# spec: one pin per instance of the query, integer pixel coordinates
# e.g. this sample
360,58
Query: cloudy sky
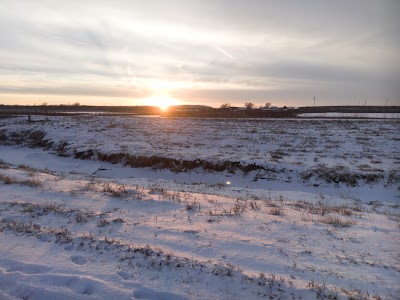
200,52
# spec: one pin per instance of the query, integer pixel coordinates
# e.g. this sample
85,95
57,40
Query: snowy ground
83,229
351,115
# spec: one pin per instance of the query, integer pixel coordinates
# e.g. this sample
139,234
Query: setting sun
162,101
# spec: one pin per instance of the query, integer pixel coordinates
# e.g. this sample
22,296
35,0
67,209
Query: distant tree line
247,105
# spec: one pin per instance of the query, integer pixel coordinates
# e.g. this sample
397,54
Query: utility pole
365,102
314,100
387,100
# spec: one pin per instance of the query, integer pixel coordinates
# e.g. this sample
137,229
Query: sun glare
163,102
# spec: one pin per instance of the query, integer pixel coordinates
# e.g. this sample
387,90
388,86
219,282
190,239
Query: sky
208,52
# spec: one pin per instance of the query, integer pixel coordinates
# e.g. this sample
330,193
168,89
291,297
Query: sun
162,101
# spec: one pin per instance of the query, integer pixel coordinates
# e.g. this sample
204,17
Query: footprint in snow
146,293
78,259
68,248
124,275
27,268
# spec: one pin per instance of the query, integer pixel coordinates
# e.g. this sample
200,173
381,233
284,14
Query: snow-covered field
219,209
351,115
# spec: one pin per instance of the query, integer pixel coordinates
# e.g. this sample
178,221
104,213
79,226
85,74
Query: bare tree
267,105
225,105
249,105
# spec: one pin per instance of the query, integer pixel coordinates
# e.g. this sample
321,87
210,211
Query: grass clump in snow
337,221
193,206
115,190
31,182
103,223
276,211
8,179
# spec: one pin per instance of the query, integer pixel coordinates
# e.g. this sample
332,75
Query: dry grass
239,208
115,190
276,211
31,182
103,223
337,221
8,180
193,206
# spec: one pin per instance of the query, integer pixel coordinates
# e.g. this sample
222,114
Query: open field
345,153
165,208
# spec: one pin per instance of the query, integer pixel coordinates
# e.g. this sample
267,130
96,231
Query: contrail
224,52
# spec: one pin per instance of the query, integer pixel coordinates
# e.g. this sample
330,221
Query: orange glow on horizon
162,101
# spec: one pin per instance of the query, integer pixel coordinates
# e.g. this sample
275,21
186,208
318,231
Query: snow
351,115
89,229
